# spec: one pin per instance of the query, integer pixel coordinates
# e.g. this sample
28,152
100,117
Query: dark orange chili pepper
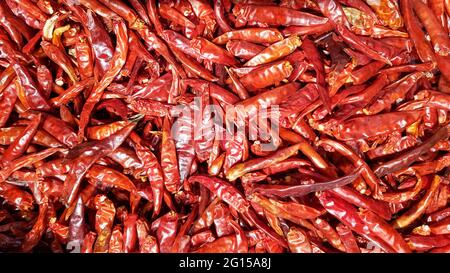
351,96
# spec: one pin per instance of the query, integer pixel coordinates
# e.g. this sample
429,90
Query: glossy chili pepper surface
240,126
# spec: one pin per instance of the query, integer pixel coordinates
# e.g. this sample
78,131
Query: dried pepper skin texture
238,126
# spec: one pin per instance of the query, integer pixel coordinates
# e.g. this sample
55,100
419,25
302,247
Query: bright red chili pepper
164,96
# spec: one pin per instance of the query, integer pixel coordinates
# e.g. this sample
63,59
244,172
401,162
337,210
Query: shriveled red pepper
117,61
131,126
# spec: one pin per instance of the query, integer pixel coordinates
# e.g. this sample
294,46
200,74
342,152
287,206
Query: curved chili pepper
411,156
128,160
26,161
224,190
209,51
267,75
178,18
300,190
84,58
20,144
59,130
7,101
103,131
385,231
154,175
34,235
334,12
55,54
275,51
72,92
104,218
117,61
287,210
110,177
424,243
349,216
394,92
84,156
129,233
77,224
418,208
352,128
254,35
274,16
441,42
124,12
412,24
193,66
219,14
238,86
366,172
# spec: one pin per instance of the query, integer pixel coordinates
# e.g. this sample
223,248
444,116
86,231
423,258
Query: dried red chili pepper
117,61
355,86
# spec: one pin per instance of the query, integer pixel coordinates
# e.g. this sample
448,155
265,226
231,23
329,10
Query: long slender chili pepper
239,126
117,61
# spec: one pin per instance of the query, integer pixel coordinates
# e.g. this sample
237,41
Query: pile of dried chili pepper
108,142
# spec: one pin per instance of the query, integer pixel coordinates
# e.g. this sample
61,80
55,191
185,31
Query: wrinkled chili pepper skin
274,16
255,35
128,126
207,50
275,51
86,155
55,54
117,61
20,144
103,223
418,209
168,160
267,75
34,96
